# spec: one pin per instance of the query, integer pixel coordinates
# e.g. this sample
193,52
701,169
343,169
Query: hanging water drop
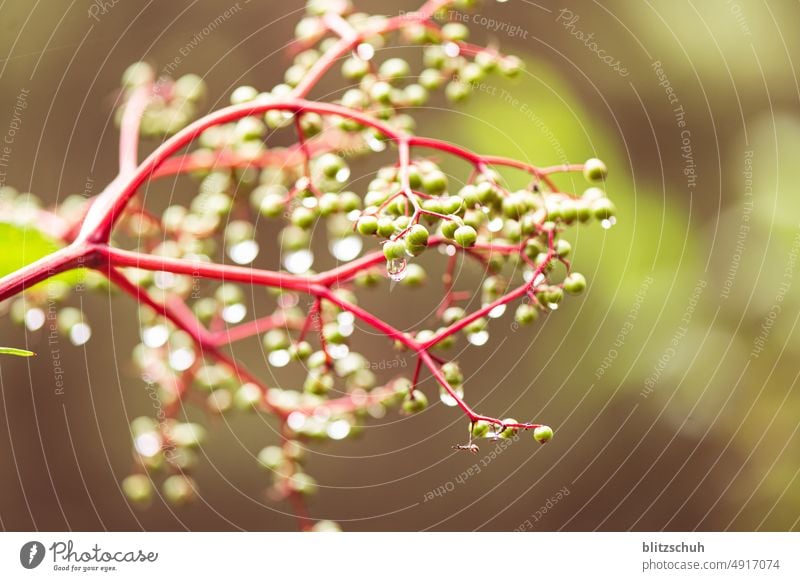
449,400
396,269
299,261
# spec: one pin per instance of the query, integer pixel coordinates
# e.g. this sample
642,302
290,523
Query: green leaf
17,352
23,244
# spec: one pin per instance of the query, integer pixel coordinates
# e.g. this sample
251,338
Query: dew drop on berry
155,336
608,222
396,269
479,338
449,400
497,312
299,261
495,225
234,313
279,358
296,420
376,144
365,51
338,351
451,49
243,252
181,359
552,306
338,430
343,175
347,248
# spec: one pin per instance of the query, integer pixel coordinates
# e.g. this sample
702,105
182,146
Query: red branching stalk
91,246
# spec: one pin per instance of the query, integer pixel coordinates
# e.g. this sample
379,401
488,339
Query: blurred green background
672,384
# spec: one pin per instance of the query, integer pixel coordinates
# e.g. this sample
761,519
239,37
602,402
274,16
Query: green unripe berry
275,339
328,204
138,488
394,249
465,236
272,205
138,74
603,209
330,164
481,429
355,68
247,396
574,283
190,87
394,68
349,201
415,95
435,182
455,31
415,403
472,73
381,92
178,489
452,373
563,248
417,235
386,227
431,79
243,94
301,350
509,432
594,170
303,217
318,383
543,434
510,66
367,225
526,314
271,457
554,295
452,314
457,91
449,227
302,483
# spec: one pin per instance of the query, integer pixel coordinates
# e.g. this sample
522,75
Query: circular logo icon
31,554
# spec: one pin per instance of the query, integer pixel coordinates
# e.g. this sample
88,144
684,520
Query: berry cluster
192,266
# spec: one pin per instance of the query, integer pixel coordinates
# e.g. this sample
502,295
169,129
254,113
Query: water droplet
164,280
396,269
552,306
279,358
497,312
346,318
495,225
155,336
234,313
451,49
365,51
80,333
299,261
243,252
375,144
347,248
310,202
449,400
181,359
296,420
343,175
147,444
338,351
338,430
34,319
608,222
479,338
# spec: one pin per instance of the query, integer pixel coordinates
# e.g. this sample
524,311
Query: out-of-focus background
672,384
